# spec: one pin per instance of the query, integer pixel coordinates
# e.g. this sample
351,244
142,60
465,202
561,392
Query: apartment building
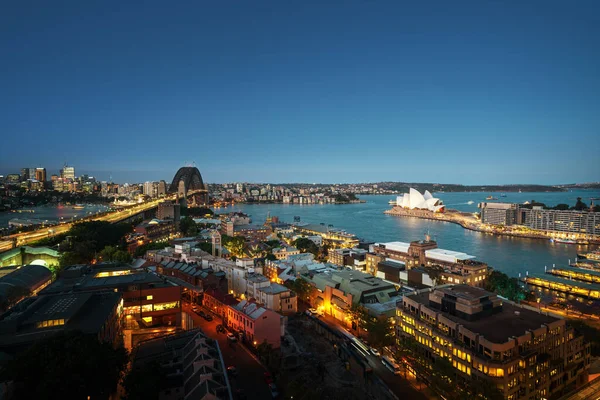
524,353
458,267
256,324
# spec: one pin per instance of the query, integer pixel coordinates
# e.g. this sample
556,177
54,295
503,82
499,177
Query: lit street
396,383
250,377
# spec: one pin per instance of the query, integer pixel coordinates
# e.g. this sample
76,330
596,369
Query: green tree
590,334
561,207
505,286
434,272
113,254
306,246
580,205
236,245
141,250
188,227
205,246
74,365
380,332
359,316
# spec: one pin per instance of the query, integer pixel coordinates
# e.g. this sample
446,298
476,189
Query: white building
415,200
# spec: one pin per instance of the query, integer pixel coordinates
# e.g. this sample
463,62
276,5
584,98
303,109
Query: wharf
468,221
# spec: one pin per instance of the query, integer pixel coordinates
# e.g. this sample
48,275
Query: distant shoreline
467,221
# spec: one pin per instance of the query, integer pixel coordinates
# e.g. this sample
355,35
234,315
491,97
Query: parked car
274,391
375,352
231,370
194,308
220,328
268,377
231,337
200,313
207,317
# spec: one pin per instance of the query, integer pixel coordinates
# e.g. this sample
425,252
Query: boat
592,255
392,202
470,202
78,207
502,195
491,198
565,241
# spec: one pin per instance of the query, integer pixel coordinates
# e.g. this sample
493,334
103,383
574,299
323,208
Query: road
400,386
250,376
25,238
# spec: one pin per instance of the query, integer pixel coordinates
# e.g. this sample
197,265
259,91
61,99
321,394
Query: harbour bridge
188,183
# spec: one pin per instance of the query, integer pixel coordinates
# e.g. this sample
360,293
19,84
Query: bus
390,364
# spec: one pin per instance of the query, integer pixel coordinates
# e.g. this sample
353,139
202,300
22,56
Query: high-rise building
150,189
525,354
40,174
24,174
168,210
162,188
67,172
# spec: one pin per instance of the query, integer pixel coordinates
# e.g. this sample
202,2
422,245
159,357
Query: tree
140,251
501,284
434,272
235,245
380,332
144,383
306,246
188,227
113,254
74,365
300,286
358,316
205,246
561,207
580,205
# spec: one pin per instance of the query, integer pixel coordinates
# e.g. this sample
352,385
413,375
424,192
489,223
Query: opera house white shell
415,200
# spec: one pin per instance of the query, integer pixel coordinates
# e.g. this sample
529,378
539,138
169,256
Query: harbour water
51,213
367,221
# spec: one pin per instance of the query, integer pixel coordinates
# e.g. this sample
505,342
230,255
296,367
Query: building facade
256,324
523,353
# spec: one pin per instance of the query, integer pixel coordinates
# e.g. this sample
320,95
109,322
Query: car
194,308
274,391
200,313
268,377
375,352
231,337
220,328
207,317
308,312
231,370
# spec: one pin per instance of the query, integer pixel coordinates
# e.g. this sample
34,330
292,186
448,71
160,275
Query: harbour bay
367,220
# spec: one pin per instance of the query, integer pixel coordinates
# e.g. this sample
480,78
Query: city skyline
472,93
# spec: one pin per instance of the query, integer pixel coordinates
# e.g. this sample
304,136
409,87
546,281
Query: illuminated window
149,297
166,306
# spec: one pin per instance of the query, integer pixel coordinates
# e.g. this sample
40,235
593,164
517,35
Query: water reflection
508,254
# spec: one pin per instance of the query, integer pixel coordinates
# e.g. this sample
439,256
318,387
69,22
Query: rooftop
497,328
274,288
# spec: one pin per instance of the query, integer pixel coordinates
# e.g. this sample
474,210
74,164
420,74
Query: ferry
392,202
566,241
78,207
502,195
592,255
491,198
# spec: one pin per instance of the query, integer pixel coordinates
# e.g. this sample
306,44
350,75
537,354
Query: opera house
415,200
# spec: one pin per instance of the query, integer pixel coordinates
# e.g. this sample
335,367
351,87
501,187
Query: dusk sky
468,92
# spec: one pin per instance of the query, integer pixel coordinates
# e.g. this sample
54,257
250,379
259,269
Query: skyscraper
67,172
40,174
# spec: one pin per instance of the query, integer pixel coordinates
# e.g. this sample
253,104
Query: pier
469,221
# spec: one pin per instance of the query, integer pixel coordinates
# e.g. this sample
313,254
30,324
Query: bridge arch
191,178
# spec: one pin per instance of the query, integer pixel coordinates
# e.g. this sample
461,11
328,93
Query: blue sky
314,91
